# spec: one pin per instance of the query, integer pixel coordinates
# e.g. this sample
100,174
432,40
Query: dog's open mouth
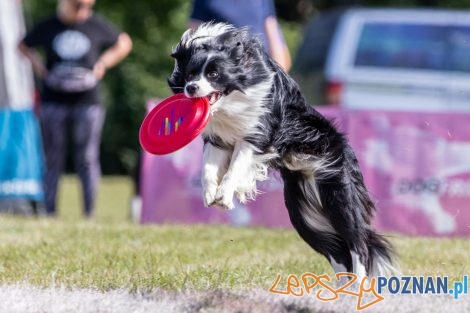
213,97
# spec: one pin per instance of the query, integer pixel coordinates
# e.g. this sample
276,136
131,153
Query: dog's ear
176,80
178,51
176,84
234,43
237,51
175,54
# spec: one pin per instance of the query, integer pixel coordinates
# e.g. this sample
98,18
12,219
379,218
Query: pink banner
416,166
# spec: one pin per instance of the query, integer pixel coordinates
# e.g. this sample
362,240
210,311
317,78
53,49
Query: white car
395,59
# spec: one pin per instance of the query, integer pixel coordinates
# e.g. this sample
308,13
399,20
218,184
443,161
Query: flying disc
174,123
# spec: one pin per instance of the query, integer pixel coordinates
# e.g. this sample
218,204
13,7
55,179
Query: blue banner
21,165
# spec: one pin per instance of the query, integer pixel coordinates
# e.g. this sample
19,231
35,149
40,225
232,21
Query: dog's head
215,60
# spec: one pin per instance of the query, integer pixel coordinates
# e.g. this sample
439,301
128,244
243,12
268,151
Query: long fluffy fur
261,120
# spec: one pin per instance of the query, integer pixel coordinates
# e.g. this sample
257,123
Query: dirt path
27,299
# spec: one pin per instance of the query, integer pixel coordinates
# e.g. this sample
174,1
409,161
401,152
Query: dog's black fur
325,195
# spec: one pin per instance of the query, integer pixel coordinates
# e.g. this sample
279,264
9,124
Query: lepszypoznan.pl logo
376,286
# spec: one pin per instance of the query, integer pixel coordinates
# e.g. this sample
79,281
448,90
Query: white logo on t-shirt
71,45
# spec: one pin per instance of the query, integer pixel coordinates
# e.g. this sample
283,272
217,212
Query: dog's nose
191,89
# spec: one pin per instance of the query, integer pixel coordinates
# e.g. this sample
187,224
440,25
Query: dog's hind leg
350,209
348,219
306,215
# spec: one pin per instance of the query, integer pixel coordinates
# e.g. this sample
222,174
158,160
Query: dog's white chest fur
238,115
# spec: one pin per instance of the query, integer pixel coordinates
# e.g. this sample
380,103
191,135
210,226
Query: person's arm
38,66
113,55
277,47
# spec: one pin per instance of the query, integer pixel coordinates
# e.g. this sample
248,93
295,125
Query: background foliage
155,26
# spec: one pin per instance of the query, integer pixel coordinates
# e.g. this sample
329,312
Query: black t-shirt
71,52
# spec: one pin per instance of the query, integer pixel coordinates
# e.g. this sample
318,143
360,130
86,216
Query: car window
416,46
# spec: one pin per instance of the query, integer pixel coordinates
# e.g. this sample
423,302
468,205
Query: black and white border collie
260,120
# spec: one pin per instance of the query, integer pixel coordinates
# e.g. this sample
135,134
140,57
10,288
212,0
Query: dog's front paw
224,198
209,195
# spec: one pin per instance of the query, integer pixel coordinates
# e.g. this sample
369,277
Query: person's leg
53,126
86,132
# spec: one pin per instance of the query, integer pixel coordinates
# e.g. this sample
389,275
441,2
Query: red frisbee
174,123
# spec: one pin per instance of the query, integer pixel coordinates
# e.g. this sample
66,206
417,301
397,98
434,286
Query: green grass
112,205
110,252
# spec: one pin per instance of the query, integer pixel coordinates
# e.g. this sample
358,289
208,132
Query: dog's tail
382,257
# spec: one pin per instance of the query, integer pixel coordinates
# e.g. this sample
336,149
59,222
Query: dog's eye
212,74
189,76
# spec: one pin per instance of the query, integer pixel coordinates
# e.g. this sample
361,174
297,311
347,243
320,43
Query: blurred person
260,18
79,48
258,15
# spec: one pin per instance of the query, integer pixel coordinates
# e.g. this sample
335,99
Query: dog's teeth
213,97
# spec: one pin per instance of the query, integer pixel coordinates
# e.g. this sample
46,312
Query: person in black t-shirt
79,47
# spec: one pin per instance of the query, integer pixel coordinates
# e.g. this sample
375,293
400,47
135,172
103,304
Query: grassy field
110,252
